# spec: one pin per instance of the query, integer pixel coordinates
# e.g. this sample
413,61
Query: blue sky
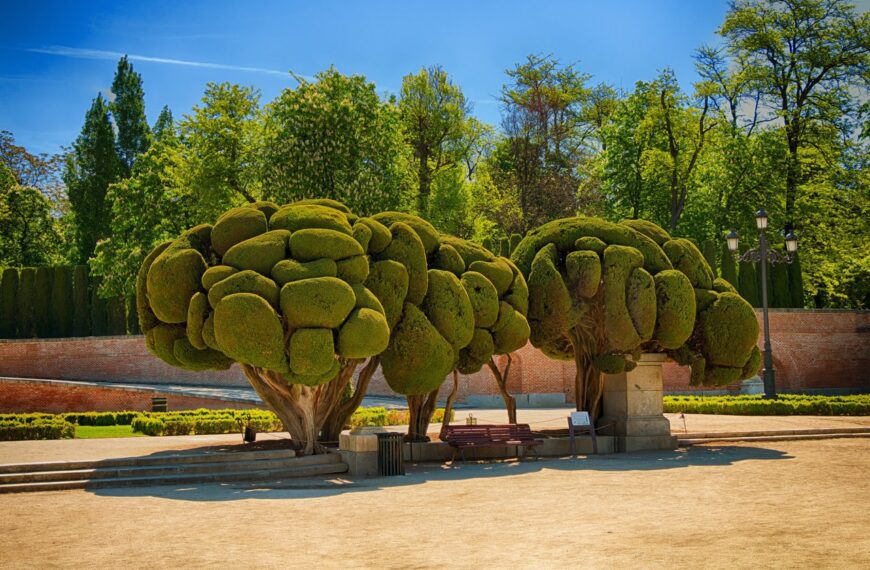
56,56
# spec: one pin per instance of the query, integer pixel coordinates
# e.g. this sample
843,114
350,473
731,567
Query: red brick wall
812,350
113,358
58,397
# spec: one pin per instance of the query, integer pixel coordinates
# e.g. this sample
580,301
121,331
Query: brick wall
812,350
17,396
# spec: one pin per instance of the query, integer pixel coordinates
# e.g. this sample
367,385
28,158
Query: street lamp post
763,256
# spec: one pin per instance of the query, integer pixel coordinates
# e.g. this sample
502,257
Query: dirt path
785,504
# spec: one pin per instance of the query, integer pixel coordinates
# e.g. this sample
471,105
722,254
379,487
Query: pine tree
728,269
90,168
796,283
128,112
164,125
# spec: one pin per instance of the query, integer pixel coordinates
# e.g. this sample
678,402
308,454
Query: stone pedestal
632,411
359,449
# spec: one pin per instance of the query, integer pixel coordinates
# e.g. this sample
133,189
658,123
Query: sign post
580,422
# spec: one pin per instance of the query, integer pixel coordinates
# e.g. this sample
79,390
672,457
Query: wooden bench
462,437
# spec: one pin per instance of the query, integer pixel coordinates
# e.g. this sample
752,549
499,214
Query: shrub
42,286
8,298
24,317
53,428
81,325
784,405
62,302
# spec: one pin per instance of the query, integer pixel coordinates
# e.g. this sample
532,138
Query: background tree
805,55
90,168
222,141
335,138
28,231
128,113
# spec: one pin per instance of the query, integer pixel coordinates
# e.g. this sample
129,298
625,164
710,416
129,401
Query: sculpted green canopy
601,293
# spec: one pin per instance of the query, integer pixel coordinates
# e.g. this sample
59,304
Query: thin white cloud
84,53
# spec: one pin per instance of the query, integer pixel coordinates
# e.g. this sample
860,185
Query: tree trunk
302,409
420,408
510,402
341,413
448,408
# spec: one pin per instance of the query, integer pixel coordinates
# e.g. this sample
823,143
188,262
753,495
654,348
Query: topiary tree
450,317
708,250
280,290
601,293
8,303
514,242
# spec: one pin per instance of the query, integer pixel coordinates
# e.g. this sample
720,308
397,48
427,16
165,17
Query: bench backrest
488,432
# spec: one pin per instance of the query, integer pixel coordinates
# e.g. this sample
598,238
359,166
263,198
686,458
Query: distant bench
462,437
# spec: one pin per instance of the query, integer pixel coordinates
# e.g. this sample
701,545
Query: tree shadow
418,473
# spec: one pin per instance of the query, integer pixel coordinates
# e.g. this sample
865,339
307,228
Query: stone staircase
176,469
773,435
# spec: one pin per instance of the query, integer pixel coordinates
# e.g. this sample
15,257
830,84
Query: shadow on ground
418,473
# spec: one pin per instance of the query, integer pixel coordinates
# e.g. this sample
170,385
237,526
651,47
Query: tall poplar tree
90,168
128,112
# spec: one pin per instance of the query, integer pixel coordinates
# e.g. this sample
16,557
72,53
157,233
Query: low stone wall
814,350
23,395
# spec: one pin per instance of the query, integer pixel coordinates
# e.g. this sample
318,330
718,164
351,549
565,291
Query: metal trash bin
158,405
391,454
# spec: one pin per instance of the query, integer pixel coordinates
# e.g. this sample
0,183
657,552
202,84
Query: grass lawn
93,432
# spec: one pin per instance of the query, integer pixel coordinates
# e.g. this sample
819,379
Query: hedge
54,428
784,405
186,422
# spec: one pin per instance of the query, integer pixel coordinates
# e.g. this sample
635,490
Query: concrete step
166,469
796,437
310,470
163,459
812,431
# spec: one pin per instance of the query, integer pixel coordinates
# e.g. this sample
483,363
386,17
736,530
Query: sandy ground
781,505
538,418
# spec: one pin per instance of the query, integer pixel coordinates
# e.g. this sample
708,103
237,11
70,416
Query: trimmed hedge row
784,405
54,428
201,421
58,302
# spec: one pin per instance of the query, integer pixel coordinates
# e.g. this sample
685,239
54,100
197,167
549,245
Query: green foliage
795,283
29,234
62,302
747,285
42,285
728,268
8,303
335,138
26,294
783,405
90,168
36,429
128,114
81,325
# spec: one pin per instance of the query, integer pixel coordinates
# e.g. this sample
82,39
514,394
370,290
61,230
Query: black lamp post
763,256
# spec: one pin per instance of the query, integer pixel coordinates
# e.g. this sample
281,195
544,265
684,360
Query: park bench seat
462,437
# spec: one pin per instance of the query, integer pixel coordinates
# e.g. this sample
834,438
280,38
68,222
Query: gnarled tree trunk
420,407
510,402
448,407
344,410
302,409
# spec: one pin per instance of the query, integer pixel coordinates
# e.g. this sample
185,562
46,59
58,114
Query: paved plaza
780,505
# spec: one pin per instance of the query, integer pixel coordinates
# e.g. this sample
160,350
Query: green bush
54,428
42,286
24,317
62,302
784,405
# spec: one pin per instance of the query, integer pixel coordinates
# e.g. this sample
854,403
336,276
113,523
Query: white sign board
580,418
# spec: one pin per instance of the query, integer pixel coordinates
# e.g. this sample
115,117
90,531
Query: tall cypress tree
708,250
8,303
128,112
778,295
748,283
91,166
728,269
164,125
796,283
81,302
